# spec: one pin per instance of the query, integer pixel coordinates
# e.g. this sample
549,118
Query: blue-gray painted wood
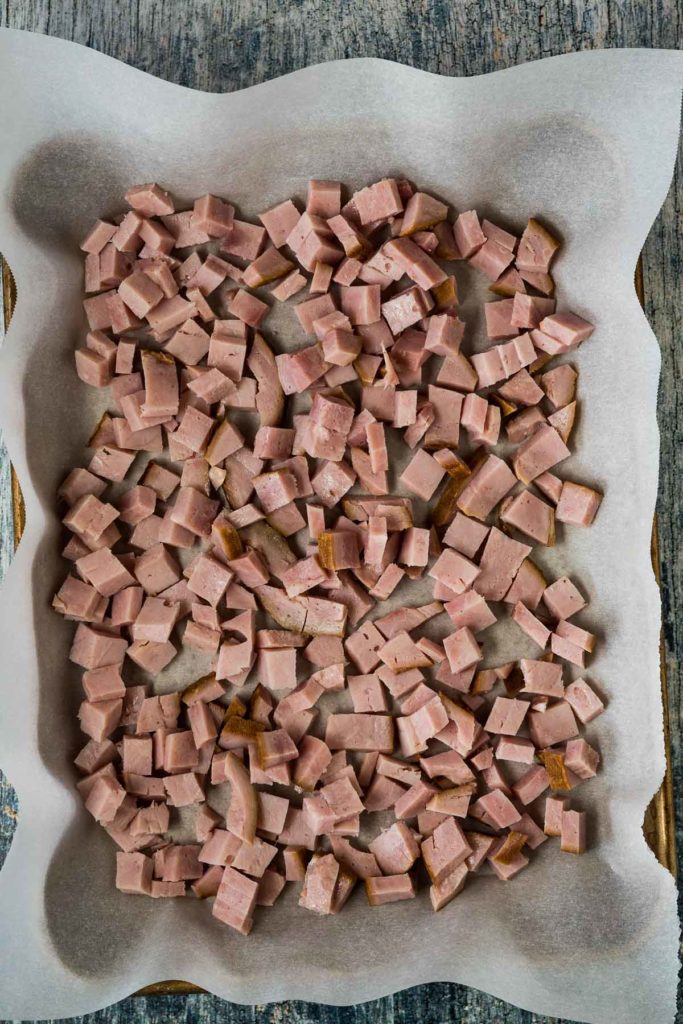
220,46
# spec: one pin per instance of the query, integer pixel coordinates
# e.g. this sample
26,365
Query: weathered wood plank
220,46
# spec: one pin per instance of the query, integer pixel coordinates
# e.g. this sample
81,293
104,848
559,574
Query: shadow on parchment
64,186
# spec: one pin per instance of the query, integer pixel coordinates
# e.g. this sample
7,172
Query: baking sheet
586,140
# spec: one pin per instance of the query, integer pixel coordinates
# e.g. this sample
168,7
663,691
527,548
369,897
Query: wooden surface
220,46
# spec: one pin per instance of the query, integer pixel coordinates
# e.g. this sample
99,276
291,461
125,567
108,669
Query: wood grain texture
221,46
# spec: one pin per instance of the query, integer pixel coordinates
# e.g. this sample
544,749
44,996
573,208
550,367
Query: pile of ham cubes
270,549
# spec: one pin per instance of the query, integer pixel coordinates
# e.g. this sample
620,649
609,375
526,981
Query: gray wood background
219,45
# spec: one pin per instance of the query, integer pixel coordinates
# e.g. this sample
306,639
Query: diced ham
236,900
389,889
423,475
486,487
360,732
583,701
445,850
563,599
506,716
531,516
536,249
573,831
577,504
499,563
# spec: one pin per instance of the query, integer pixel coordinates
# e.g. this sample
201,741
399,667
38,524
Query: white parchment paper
586,141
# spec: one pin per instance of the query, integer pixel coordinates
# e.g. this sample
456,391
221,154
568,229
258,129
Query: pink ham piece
536,249
447,889
498,317
581,759
539,453
454,571
405,309
213,216
573,831
422,211
542,677
532,626
320,883
531,516
279,221
486,487
236,900
361,303
468,234
414,262
527,587
77,600
445,850
492,259
298,370
362,732
134,873
395,849
555,725
401,654
242,817
566,328
462,650
104,799
577,504
506,716
389,889
471,610
465,535
563,599
423,475
583,701
498,808
375,202
499,563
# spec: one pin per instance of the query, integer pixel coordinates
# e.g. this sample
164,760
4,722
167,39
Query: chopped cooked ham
385,353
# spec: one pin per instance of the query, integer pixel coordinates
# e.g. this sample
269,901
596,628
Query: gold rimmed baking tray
658,824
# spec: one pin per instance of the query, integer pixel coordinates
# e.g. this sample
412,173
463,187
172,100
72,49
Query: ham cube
577,505
364,732
445,850
530,516
395,849
375,202
532,626
471,610
454,571
462,650
236,900
573,831
279,221
506,716
389,889
539,453
563,599
405,309
134,873
468,234
498,808
555,725
536,249
583,701
486,487
422,475
542,677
